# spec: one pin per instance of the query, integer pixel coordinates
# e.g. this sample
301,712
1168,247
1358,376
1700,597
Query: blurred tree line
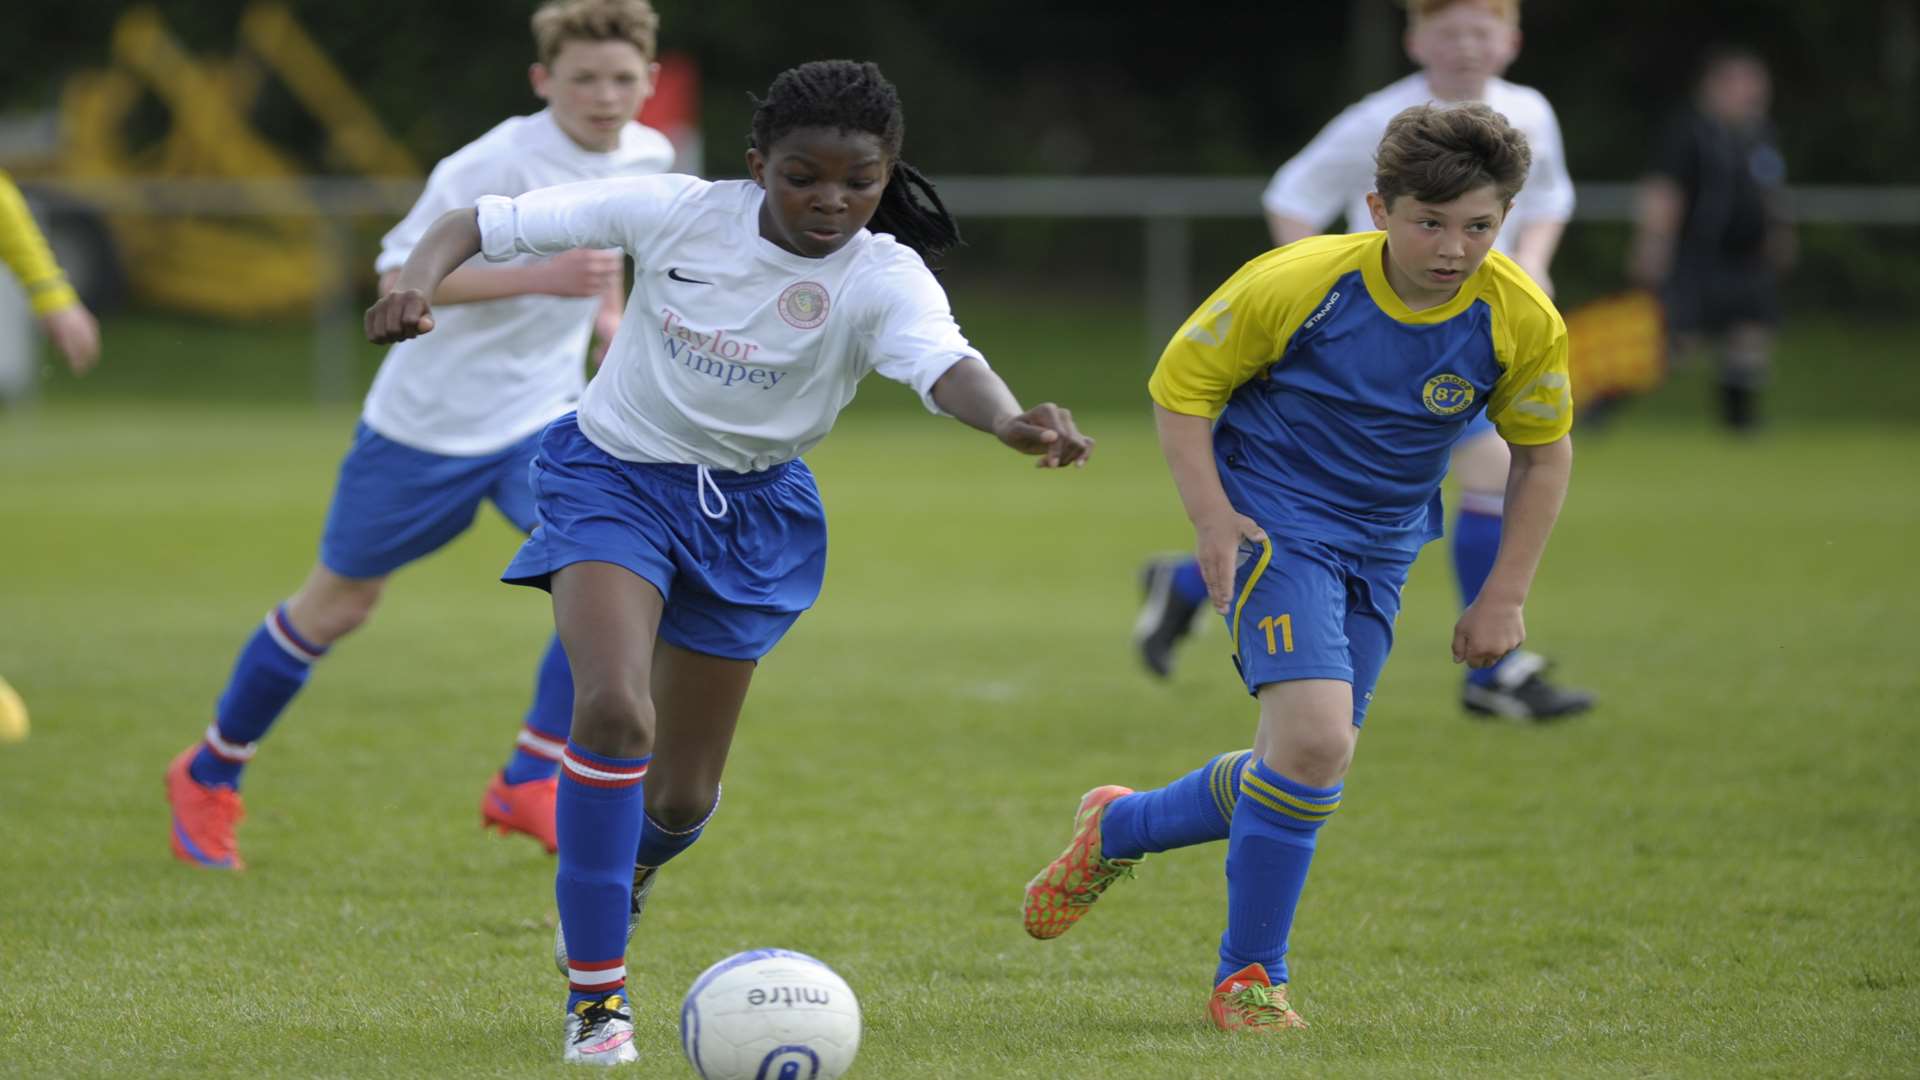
1006,87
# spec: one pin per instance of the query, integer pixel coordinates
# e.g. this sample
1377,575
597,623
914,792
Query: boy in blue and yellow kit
1307,411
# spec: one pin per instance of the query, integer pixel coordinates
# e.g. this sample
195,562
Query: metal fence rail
1165,206
1187,197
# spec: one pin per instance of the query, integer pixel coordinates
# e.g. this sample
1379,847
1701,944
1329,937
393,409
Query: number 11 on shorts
1285,624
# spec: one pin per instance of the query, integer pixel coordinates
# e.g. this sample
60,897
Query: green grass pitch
1717,873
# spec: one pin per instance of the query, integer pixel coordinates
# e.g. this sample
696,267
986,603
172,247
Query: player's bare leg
328,607
607,618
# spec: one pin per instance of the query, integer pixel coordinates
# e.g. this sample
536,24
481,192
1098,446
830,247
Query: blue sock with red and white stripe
271,669
597,814
536,753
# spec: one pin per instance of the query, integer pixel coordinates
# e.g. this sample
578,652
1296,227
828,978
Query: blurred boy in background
1712,233
452,420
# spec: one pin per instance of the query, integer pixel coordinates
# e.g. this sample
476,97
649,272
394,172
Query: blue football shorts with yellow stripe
1305,610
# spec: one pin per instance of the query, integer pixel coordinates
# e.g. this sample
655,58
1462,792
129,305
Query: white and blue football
770,1014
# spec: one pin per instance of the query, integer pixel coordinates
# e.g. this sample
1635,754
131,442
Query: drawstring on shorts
705,480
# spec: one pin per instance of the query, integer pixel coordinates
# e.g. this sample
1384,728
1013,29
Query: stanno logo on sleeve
1446,395
1332,299
804,305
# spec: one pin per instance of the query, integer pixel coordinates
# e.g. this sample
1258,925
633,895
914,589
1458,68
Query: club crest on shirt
804,304
1446,395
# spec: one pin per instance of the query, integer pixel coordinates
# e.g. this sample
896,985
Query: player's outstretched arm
971,393
1659,206
1493,625
1286,229
405,311
1533,249
1218,529
580,272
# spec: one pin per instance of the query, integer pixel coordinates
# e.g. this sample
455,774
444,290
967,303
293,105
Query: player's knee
325,614
1318,756
681,807
613,720
354,609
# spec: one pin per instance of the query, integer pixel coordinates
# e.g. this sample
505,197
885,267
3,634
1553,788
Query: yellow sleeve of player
1233,336
25,251
1532,403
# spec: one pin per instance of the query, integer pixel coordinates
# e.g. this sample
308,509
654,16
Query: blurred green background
1714,874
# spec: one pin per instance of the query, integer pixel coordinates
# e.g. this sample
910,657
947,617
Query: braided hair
854,96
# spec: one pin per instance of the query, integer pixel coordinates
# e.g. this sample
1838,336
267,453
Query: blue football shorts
394,504
1304,610
734,581
1476,427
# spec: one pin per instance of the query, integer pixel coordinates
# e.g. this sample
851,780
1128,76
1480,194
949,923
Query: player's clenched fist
397,316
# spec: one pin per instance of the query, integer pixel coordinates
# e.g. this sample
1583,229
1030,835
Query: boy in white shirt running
452,421
680,533
1462,47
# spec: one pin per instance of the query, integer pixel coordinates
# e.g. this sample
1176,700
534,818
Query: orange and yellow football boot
522,808
204,818
1247,1001
1060,894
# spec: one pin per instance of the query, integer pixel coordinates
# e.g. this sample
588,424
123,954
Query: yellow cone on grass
13,714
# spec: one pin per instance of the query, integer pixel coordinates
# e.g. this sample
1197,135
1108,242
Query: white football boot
601,1033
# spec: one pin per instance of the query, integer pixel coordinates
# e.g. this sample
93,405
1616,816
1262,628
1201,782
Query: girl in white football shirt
680,533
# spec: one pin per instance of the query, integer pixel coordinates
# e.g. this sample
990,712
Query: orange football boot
522,808
1247,1001
203,817
1061,893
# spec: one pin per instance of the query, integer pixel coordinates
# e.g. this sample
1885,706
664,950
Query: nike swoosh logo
501,805
675,274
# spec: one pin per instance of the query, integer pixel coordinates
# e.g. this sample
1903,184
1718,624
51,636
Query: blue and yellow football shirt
1337,406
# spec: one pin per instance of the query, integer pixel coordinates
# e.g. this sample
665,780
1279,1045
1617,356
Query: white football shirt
735,353
495,371
1335,170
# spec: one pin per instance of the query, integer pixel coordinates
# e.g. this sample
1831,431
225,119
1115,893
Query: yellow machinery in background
221,224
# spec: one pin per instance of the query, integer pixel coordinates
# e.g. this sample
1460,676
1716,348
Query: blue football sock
597,815
659,843
1268,852
536,753
1192,810
1476,540
1188,585
271,668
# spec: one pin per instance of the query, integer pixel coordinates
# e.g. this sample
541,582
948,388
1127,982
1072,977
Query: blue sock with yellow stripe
1192,810
1269,847
1476,543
